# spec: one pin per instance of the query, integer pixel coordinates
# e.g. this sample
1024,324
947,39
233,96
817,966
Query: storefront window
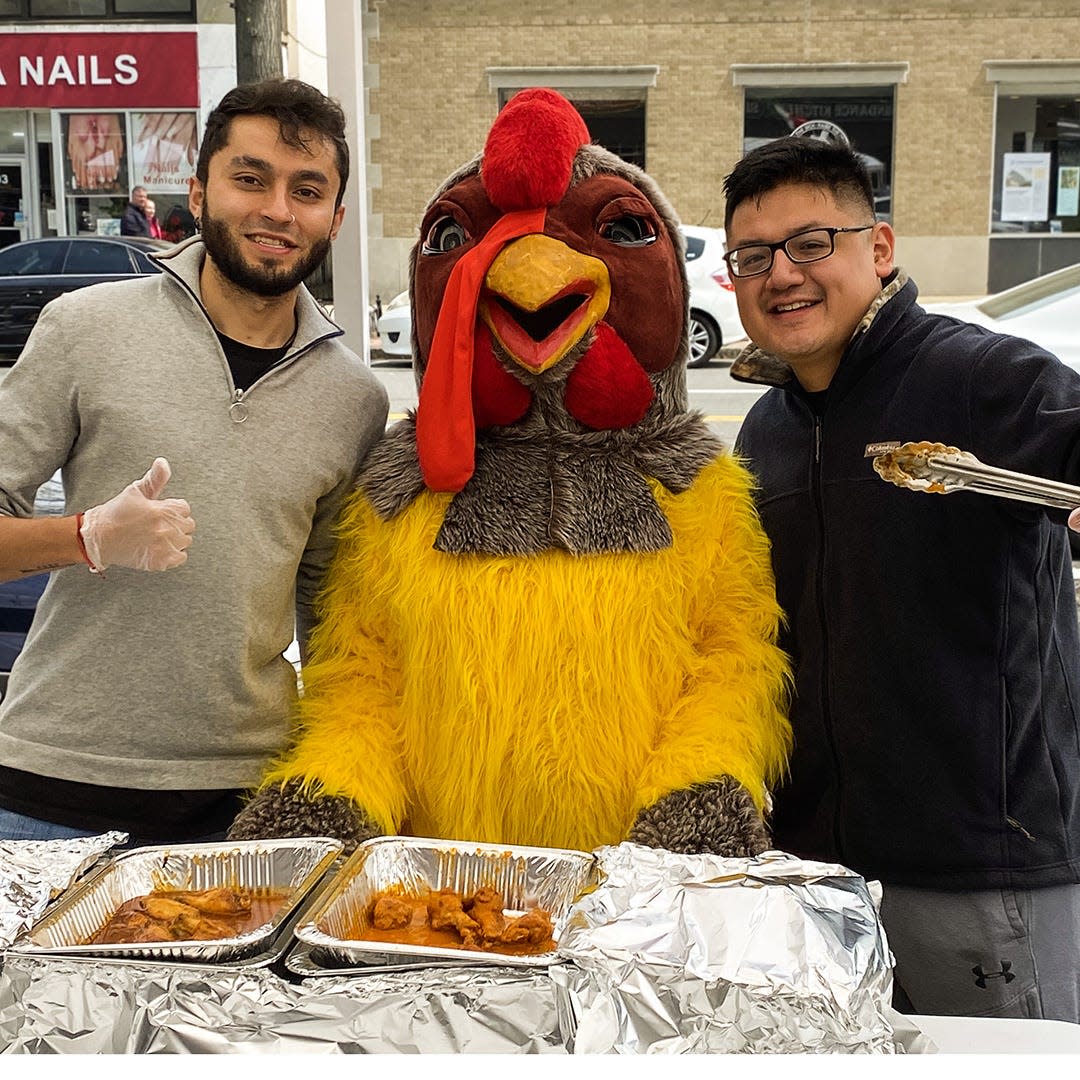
64,9
13,132
861,114
616,125
152,7
1036,164
79,10
615,118
107,154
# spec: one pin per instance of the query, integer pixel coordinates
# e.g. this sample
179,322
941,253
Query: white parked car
395,326
714,315
1045,310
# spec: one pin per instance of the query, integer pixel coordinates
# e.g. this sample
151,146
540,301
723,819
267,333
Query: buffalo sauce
419,933
136,922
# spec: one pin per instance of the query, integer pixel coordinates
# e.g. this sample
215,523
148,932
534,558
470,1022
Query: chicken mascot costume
551,619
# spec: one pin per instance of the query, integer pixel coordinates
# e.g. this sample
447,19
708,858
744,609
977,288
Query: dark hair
297,107
798,160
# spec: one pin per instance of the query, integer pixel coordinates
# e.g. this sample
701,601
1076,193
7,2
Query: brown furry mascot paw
719,817
284,810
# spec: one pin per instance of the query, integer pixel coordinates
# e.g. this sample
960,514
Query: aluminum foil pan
309,963
527,877
294,865
35,872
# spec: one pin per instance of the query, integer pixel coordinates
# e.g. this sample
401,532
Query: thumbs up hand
138,528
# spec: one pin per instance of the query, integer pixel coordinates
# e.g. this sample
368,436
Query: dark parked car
33,272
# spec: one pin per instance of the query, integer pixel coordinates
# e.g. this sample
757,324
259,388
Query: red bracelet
82,545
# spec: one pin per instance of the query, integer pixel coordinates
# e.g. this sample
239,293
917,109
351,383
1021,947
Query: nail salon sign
97,71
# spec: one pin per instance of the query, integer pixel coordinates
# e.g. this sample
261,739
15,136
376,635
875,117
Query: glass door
13,217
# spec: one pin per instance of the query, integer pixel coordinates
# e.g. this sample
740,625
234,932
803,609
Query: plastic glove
138,529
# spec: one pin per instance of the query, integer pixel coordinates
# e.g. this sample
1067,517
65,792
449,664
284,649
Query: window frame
25,9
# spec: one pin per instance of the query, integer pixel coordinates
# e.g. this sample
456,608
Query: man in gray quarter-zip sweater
147,701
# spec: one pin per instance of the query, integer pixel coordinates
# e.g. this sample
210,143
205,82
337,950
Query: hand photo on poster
1068,191
94,158
163,150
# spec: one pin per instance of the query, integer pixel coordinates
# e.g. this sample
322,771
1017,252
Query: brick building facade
937,93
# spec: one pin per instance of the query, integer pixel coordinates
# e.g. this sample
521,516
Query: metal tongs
935,467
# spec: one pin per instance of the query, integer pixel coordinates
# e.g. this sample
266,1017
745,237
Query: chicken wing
486,908
534,926
392,913
223,900
445,910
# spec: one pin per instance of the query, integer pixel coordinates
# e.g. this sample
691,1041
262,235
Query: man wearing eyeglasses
934,639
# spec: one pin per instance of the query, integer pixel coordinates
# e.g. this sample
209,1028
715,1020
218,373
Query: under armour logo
981,976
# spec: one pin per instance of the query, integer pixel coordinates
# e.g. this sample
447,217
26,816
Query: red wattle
608,388
498,398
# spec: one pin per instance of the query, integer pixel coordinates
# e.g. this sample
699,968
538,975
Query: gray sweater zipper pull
238,410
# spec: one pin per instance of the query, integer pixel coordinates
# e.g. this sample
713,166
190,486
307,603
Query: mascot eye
630,230
445,235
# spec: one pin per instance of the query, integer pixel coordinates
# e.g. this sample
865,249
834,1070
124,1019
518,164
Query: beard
263,279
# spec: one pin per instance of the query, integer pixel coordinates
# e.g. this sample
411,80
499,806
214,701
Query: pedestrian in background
934,639
151,218
154,686
134,222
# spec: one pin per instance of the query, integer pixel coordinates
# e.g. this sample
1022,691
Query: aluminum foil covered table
670,954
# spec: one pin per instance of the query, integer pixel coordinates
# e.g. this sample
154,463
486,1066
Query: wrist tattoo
28,571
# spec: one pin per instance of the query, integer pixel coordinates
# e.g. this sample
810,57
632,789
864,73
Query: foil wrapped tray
293,865
770,954
527,877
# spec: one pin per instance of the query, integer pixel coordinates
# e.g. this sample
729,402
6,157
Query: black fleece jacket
934,637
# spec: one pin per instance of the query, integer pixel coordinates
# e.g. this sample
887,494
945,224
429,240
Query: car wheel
704,339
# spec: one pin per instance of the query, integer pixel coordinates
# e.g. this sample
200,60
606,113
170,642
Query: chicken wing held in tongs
940,469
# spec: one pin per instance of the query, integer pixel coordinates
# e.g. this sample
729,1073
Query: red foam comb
529,154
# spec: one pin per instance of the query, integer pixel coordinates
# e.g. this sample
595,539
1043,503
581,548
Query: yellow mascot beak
541,297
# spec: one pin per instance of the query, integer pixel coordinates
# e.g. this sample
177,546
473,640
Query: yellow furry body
543,700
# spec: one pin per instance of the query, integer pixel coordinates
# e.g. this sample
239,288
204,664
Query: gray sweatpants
1001,952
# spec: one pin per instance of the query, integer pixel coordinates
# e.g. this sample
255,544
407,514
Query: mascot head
546,263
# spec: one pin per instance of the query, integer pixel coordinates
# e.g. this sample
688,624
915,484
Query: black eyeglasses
803,247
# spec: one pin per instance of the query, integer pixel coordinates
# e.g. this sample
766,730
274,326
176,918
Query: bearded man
147,701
